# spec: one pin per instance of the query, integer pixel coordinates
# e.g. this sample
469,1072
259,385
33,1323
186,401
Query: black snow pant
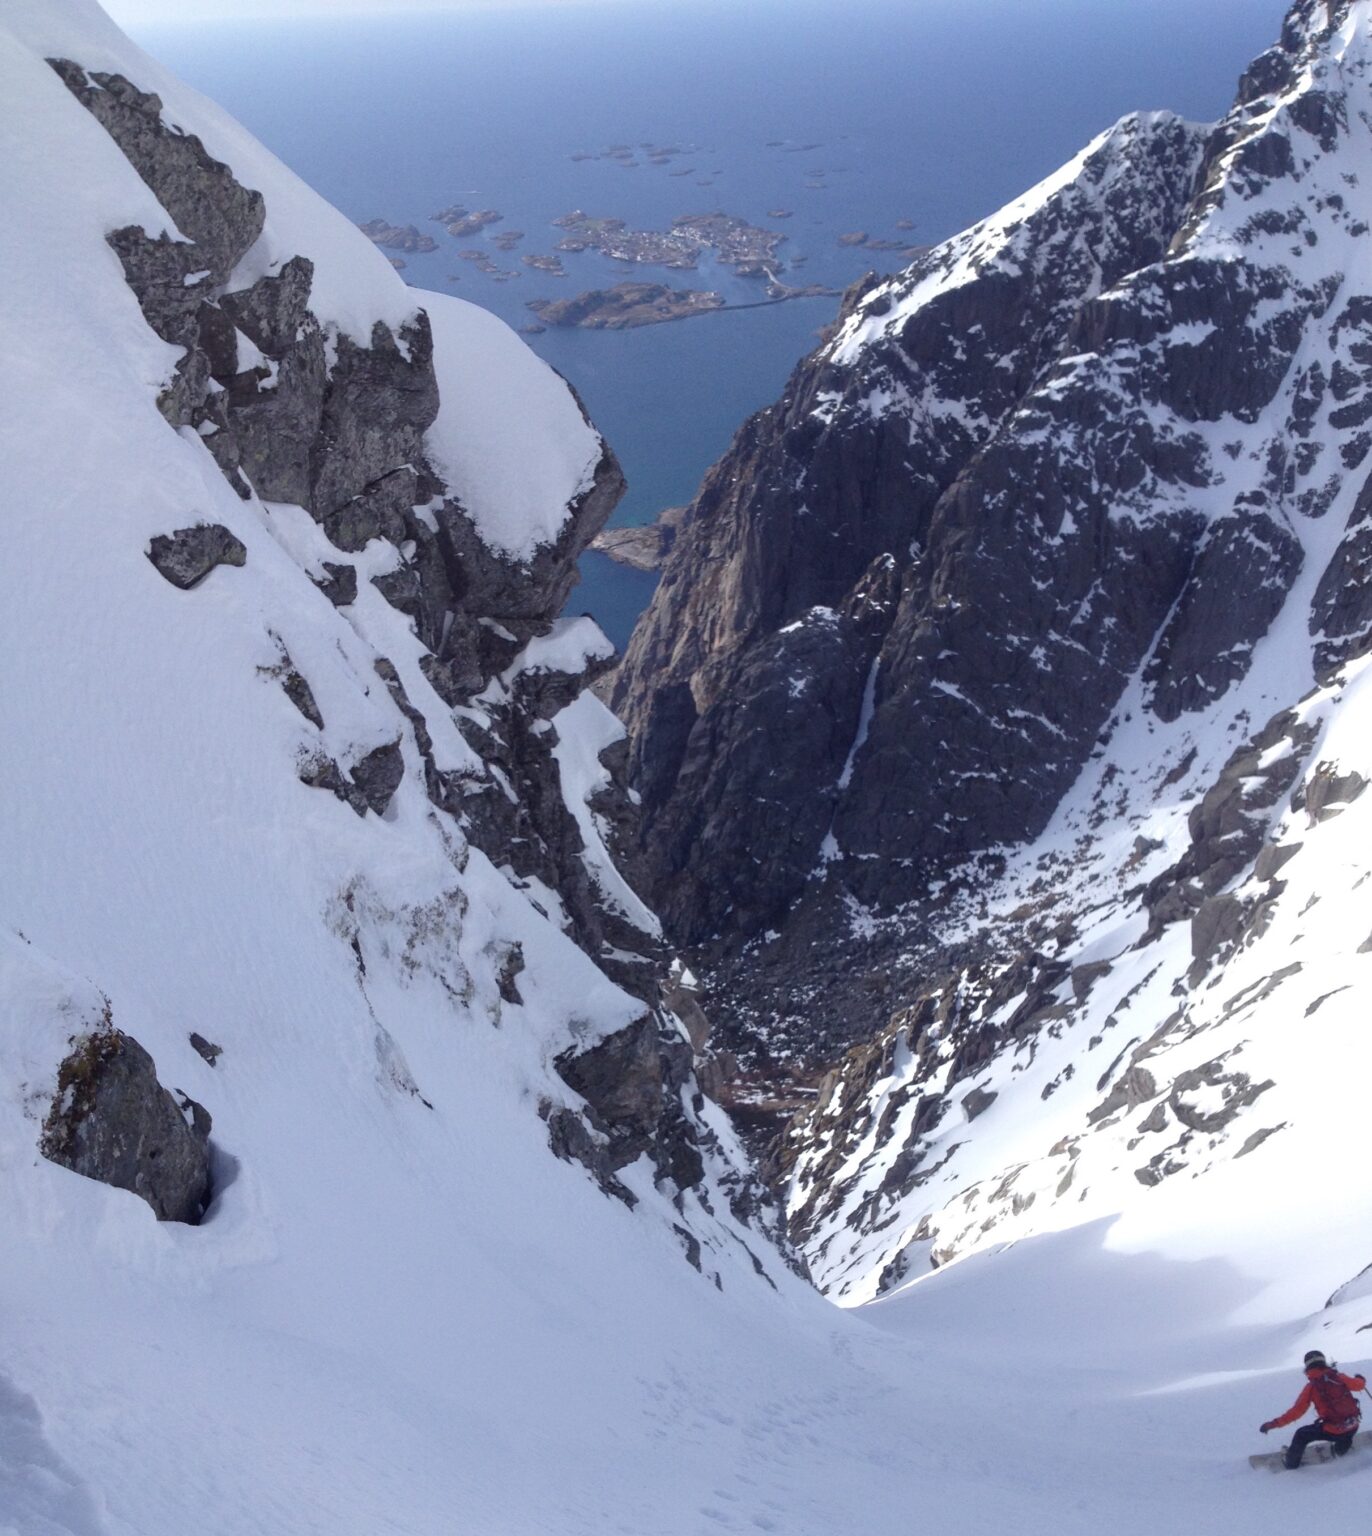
1309,1433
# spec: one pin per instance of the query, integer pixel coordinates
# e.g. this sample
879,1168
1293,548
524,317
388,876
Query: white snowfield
406,1318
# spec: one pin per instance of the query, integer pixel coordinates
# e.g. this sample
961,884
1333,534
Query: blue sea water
935,111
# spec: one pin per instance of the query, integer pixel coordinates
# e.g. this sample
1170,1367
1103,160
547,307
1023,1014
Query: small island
483,263
460,221
474,223
627,155
613,238
624,306
552,265
397,237
859,239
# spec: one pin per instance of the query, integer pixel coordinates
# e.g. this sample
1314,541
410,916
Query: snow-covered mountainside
314,952
287,553
1051,568
308,925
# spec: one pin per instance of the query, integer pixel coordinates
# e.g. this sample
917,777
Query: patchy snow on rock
1007,238
402,1313
584,730
354,284
569,647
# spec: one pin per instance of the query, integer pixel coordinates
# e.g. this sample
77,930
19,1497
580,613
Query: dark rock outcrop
112,1121
200,193
187,556
378,775
205,1048
368,786
339,584
632,1082
855,471
1229,825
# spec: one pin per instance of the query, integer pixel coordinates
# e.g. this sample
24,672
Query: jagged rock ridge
1081,440
1036,558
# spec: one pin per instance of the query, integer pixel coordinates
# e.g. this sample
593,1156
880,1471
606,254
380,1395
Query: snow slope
402,1314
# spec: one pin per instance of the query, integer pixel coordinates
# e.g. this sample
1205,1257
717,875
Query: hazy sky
132,12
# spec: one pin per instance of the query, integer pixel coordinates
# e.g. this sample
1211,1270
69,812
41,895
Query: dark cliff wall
1080,448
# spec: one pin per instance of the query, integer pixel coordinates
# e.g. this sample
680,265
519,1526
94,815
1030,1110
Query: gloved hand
1263,1428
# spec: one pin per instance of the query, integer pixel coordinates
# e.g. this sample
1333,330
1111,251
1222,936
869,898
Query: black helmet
1315,1361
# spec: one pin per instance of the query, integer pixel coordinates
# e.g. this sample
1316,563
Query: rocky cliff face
449,566
1080,440
1027,553
824,535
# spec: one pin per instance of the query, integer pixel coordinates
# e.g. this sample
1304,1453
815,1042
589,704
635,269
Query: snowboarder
1330,1394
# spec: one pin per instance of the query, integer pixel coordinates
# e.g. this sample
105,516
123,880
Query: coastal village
749,250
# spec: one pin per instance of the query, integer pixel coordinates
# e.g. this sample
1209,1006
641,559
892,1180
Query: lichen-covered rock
111,1120
187,556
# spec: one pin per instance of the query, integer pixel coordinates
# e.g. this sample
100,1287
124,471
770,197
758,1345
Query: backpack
1335,1404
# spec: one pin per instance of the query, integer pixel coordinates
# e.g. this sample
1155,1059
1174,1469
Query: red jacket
1314,1398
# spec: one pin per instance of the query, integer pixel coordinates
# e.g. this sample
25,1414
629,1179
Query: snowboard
1321,1450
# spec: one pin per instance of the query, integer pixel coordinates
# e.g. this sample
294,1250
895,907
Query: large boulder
111,1120
187,556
